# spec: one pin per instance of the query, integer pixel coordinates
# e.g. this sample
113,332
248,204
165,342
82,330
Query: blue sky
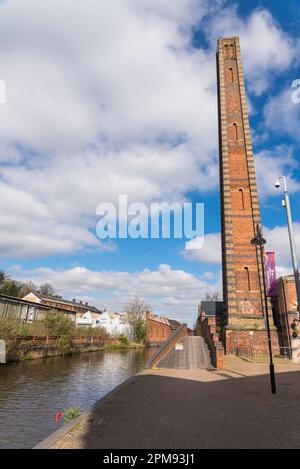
121,99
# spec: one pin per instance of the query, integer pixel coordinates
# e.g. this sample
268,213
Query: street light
259,242
286,204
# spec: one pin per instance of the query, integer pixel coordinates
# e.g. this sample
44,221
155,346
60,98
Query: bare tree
27,287
212,296
47,289
136,313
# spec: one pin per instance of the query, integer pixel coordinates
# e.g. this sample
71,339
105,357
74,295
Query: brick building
158,329
240,213
285,310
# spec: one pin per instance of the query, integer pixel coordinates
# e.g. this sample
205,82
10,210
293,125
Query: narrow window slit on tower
226,51
247,278
235,132
241,199
231,75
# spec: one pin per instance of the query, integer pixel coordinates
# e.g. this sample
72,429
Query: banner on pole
270,273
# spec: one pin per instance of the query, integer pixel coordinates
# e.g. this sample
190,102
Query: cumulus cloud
208,252
282,115
174,293
282,161
278,241
100,105
266,48
108,103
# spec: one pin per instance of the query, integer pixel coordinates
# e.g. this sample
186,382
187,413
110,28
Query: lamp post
259,242
286,204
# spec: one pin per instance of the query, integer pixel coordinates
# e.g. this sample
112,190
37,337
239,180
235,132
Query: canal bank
32,392
30,348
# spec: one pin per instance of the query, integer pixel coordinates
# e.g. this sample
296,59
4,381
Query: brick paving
194,409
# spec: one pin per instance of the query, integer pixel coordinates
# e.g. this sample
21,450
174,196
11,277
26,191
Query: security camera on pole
286,204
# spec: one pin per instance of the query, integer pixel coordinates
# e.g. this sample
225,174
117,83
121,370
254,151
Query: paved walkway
190,353
194,409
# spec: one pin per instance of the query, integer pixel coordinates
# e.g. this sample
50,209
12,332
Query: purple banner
270,273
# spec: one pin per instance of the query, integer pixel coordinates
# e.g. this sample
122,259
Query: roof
59,299
286,278
173,322
15,299
212,308
153,317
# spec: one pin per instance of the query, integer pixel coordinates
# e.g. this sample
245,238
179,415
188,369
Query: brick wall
253,343
157,331
212,339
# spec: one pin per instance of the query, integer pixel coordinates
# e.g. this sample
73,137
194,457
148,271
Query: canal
32,392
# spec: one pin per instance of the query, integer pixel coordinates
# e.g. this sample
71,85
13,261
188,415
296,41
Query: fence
252,354
54,340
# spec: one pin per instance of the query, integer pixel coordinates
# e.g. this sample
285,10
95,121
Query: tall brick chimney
242,270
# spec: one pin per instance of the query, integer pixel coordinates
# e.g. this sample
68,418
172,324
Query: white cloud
130,75
105,103
266,48
99,105
208,253
174,293
269,164
278,241
282,115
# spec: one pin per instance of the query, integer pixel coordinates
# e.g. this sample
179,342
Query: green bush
9,327
57,323
123,340
91,332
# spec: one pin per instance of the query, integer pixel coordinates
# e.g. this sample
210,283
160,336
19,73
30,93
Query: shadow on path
158,411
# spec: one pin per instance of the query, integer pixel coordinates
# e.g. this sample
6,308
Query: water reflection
32,392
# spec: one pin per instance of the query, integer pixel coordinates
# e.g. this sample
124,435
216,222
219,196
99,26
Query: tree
47,289
212,296
27,287
7,286
3,277
136,313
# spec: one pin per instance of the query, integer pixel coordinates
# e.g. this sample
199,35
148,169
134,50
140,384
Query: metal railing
251,353
48,340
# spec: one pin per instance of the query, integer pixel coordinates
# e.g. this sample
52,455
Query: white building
114,323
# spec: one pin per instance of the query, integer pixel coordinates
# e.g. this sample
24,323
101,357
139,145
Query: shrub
71,413
9,327
123,340
57,323
91,331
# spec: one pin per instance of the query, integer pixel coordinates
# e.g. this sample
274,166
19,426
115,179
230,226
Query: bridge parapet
169,344
211,337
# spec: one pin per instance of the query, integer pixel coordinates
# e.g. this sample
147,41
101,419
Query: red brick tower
242,274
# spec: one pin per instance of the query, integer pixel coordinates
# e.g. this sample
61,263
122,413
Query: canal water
32,392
